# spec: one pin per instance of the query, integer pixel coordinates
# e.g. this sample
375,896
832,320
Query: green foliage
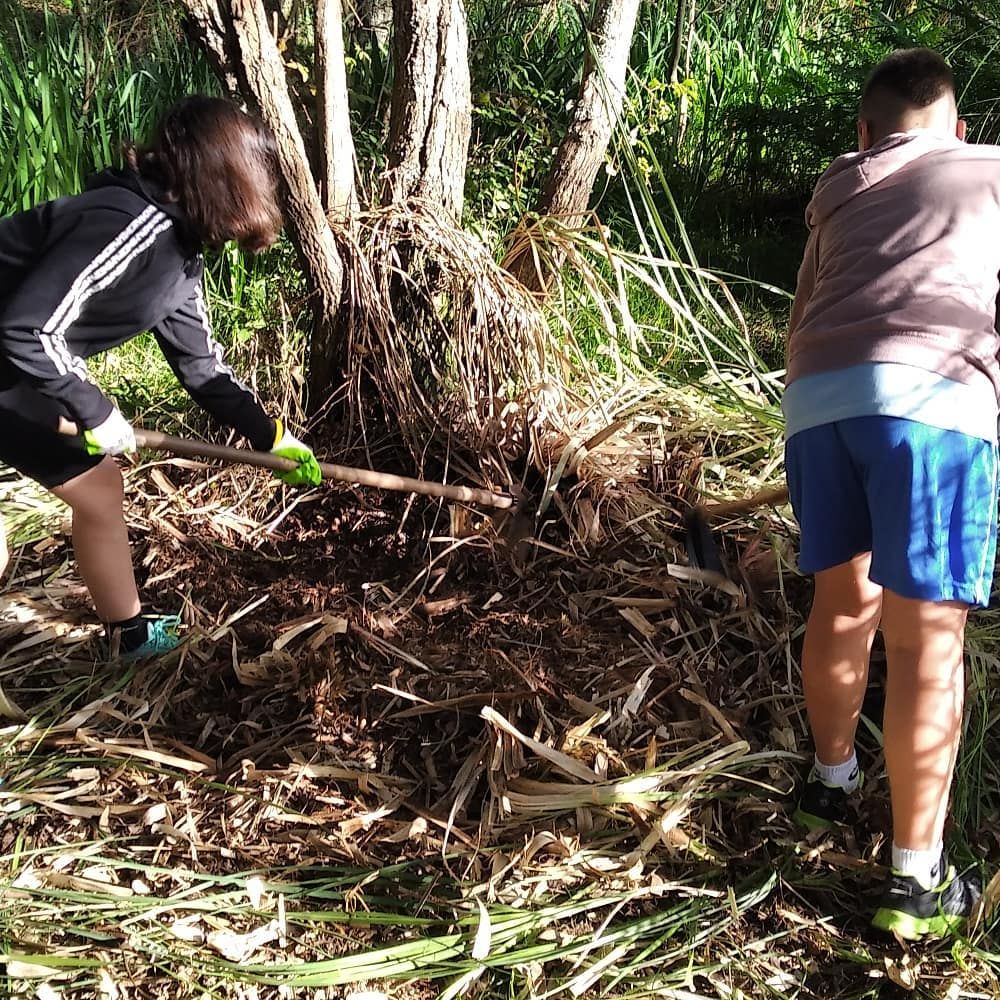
712,167
763,99
74,88
766,97
525,67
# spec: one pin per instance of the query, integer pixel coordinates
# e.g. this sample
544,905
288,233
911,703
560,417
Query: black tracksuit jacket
82,274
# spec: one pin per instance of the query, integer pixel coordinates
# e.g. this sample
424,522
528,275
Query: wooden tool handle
342,473
772,496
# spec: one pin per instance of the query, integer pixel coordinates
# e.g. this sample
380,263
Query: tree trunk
336,144
677,44
431,118
211,29
684,109
376,16
238,38
566,191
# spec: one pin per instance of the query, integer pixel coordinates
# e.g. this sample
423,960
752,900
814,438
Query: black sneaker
823,805
911,911
160,635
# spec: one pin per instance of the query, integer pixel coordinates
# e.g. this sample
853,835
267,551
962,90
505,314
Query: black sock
133,631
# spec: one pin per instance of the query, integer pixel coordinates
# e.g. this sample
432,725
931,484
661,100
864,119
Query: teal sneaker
162,637
911,911
822,806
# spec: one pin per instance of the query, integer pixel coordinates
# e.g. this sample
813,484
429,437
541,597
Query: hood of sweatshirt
854,173
147,189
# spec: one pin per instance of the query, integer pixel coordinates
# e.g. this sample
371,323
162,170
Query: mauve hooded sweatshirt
902,262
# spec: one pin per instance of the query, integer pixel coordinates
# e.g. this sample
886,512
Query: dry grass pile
391,759
468,364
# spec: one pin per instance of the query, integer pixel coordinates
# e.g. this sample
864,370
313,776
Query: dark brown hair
221,166
907,80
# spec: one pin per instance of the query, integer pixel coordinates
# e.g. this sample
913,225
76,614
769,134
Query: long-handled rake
187,448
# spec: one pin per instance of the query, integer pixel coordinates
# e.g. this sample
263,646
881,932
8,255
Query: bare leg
839,636
100,540
923,713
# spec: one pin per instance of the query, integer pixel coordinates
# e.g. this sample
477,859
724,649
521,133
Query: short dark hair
221,166
906,80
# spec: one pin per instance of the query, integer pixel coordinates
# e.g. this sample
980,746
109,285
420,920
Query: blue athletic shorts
923,501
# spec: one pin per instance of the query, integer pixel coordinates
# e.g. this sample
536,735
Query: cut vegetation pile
406,751
395,759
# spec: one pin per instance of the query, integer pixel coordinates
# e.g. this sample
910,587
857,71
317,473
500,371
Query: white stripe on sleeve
101,273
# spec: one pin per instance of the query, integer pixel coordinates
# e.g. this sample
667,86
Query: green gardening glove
114,436
288,446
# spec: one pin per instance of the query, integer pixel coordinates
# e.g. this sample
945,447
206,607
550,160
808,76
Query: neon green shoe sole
822,806
912,928
911,911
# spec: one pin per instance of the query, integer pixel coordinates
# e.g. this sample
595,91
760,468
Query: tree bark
431,118
237,36
376,16
677,44
566,191
336,144
211,29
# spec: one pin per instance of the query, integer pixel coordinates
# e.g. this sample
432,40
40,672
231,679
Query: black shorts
29,440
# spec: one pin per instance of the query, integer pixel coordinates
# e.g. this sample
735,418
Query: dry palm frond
473,368
371,767
451,342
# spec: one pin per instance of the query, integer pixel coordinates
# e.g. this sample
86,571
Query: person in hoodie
891,458
83,274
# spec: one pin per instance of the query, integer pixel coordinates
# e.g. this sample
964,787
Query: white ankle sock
924,866
846,775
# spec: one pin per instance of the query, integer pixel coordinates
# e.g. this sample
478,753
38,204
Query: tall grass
73,89
766,96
